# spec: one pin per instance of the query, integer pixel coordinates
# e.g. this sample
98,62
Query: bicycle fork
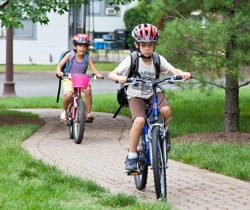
162,144
74,106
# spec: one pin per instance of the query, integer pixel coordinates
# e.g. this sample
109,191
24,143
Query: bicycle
75,114
152,148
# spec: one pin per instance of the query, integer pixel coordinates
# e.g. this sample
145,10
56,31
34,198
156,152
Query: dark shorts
137,105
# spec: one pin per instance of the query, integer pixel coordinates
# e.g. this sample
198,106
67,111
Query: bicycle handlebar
169,80
93,76
68,75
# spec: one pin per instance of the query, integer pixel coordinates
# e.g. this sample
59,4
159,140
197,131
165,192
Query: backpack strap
86,62
157,64
63,69
58,91
69,62
134,64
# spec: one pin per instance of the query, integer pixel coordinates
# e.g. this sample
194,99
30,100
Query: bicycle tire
70,124
159,170
79,122
141,179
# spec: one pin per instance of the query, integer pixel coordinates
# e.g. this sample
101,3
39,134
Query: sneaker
167,137
63,116
90,117
130,165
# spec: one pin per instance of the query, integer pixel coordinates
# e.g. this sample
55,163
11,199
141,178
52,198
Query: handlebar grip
129,80
93,76
177,77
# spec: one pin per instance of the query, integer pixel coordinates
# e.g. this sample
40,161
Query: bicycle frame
73,104
76,116
152,148
152,115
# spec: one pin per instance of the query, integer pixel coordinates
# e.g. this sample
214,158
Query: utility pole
9,85
84,18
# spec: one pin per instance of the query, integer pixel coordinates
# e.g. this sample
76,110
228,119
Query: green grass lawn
101,66
39,186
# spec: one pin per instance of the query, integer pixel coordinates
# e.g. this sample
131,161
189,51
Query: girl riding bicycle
145,36
78,65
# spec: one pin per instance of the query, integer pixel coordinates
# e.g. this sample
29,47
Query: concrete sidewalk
101,157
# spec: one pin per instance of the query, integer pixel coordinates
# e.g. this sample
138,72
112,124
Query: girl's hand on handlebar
59,74
99,76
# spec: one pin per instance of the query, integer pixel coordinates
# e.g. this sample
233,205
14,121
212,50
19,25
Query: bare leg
166,113
66,101
67,98
88,99
135,133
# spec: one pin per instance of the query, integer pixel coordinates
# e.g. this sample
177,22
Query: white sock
166,128
132,155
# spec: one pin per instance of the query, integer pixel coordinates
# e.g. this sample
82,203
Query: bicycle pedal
88,121
133,173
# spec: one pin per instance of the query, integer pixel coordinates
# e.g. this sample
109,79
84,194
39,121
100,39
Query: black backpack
121,93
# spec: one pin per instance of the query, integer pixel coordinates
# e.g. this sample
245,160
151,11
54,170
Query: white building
36,44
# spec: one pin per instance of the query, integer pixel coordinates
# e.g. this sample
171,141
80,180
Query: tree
136,15
214,42
13,11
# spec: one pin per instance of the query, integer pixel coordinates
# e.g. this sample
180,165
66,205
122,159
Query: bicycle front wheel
79,122
70,122
141,178
159,170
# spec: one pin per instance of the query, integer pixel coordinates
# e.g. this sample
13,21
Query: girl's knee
87,91
69,94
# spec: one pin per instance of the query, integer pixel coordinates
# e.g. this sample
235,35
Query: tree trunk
232,112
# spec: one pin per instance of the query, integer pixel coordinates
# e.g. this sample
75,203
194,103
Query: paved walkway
101,157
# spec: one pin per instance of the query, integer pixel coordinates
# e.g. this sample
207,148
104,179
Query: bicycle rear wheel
79,122
141,178
159,170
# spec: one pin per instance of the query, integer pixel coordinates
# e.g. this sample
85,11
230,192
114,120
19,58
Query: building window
95,6
27,32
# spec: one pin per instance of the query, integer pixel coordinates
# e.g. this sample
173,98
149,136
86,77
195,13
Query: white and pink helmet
81,39
145,33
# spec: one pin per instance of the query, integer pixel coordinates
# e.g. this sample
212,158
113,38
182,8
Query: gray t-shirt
146,72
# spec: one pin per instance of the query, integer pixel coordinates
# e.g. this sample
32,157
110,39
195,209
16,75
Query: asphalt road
46,84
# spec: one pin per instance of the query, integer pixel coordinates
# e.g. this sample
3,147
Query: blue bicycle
152,148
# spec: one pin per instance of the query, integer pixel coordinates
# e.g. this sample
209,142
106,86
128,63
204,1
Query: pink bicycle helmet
81,39
145,33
